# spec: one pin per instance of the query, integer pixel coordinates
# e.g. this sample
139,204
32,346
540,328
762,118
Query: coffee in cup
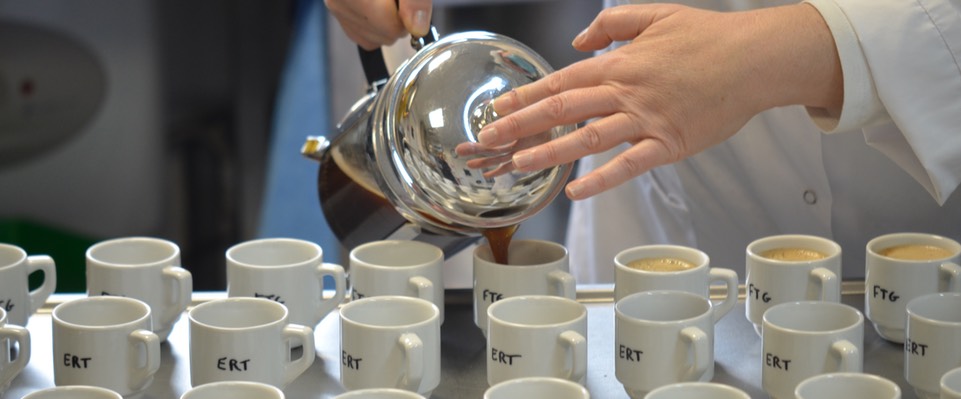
660,264
793,254
916,252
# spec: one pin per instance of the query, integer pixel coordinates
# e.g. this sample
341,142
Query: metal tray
463,350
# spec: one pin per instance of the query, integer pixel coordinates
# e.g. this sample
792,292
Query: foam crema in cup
660,264
74,392
916,252
793,254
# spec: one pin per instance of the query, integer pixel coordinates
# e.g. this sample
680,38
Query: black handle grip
375,68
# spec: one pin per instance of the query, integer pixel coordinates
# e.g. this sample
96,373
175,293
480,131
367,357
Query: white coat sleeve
901,61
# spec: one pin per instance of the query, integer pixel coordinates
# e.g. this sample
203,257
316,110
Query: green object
67,250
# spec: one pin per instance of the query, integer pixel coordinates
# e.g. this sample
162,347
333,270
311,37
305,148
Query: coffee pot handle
375,68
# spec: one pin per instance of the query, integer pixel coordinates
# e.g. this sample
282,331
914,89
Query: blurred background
183,119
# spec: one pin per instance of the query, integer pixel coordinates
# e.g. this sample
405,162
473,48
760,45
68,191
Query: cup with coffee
902,266
788,268
144,268
808,338
288,271
932,343
15,296
105,341
672,267
12,336
663,337
534,267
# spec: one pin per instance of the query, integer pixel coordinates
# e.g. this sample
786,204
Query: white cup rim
278,313
829,247
696,384
286,251
214,386
951,380
702,261
16,255
142,309
348,309
816,379
428,254
483,252
892,239
578,310
75,388
567,384
95,252
705,304
921,307
776,310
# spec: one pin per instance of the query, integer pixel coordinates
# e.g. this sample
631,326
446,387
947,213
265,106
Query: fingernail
504,104
523,159
420,22
574,188
579,38
487,135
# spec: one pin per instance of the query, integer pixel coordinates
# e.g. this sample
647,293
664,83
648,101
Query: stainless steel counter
737,353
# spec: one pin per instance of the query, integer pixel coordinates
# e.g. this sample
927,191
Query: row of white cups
390,329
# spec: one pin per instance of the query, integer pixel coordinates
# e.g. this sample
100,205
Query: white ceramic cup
932,343
105,341
891,283
247,339
9,335
534,267
698,280
951,384
398,267
233,390
769,282
390,342
288,271
537,387
379,393
662,338
15,296
536,336
697,390
143,268
848,386
74,392
804,339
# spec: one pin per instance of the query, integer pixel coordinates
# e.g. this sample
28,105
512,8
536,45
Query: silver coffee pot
393,172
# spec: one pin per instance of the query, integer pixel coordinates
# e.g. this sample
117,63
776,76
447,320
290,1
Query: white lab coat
889,163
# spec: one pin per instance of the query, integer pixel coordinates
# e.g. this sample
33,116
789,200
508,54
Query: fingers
595,137
415,15
369,23
635,161
620,24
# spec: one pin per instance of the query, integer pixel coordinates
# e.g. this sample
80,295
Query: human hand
687,80
374,23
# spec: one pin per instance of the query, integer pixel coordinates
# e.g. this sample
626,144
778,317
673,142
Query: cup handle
827,283
183,286
951,275
848,355
22,337
729,278
414,352
423,286
563,283
697,341
577,344
39,296
305,336
340,287
151,343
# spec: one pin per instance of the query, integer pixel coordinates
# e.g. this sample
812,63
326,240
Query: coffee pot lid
440,99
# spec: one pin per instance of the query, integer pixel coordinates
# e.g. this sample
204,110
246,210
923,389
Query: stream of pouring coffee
500,241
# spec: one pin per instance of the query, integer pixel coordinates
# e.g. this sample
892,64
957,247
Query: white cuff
862,106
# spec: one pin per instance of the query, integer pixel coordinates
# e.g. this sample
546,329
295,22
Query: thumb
620,24
416,16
